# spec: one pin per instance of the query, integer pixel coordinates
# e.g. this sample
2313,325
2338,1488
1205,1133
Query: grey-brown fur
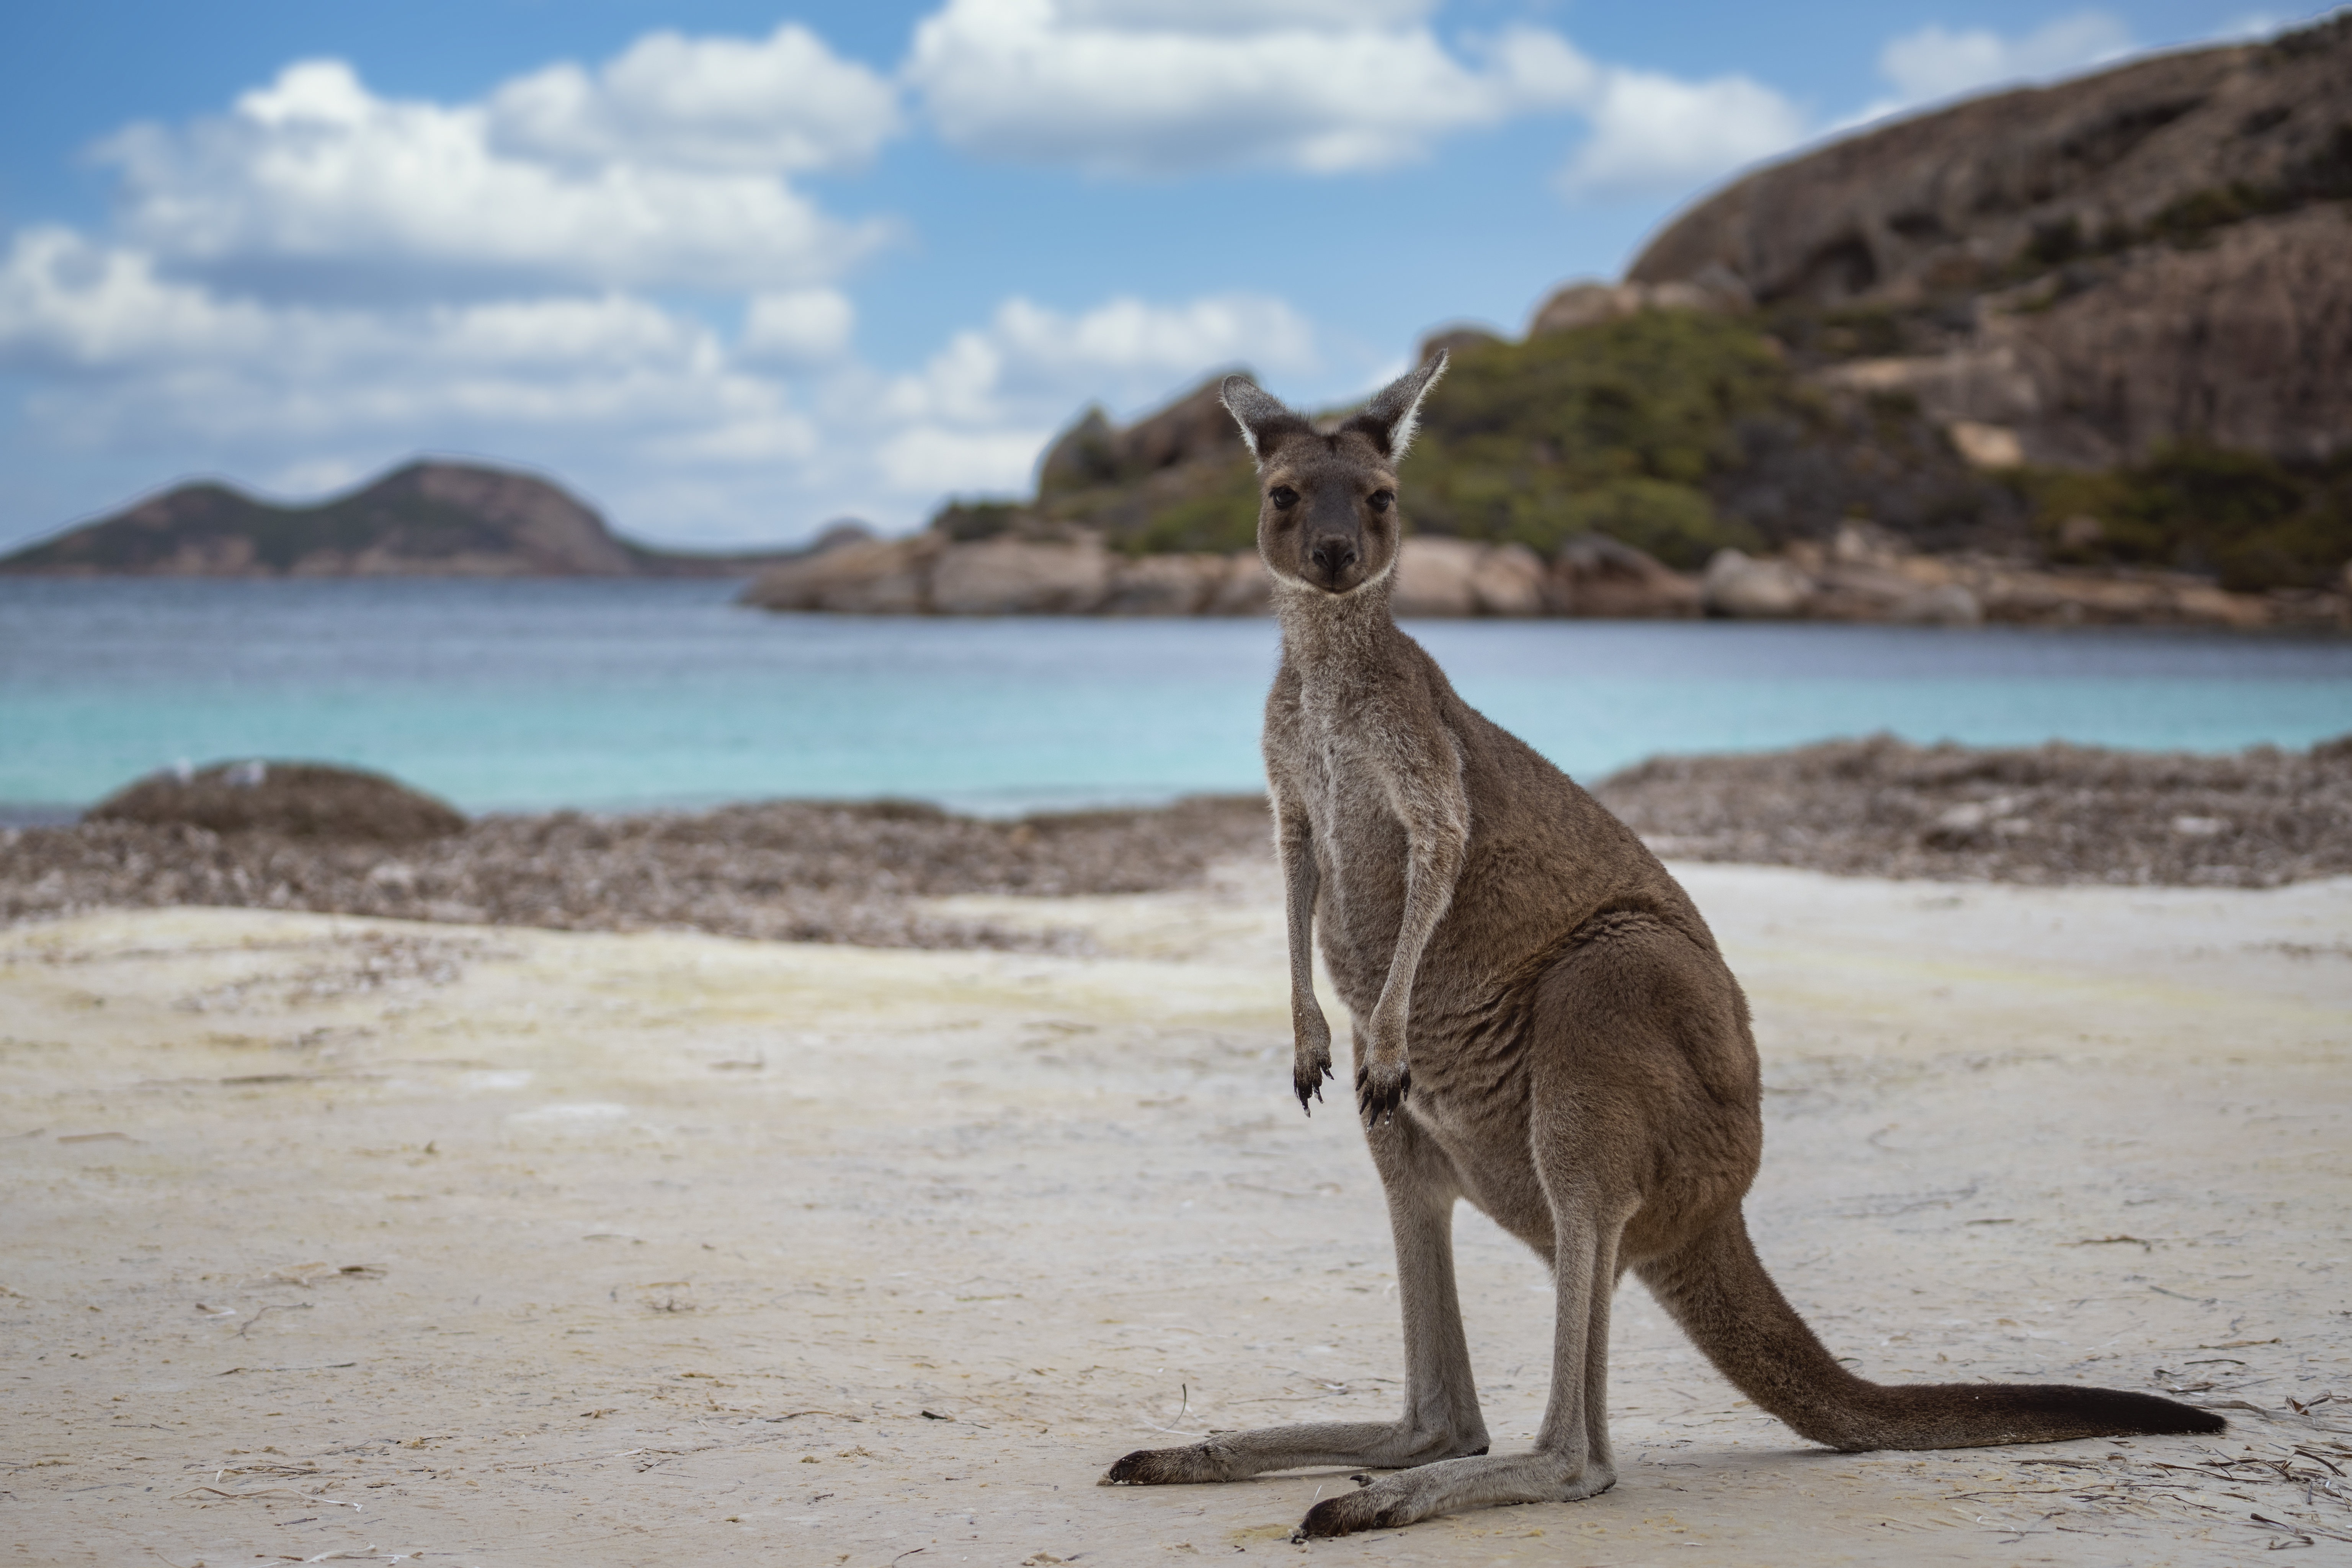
1543,1026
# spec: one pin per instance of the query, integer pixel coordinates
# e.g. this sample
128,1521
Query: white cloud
66,303
979,413
783,102
805,326
1934,63
1155,87
1031,362
315,169
754,439
1245,15
164,359
1655,133
1126,87
934,459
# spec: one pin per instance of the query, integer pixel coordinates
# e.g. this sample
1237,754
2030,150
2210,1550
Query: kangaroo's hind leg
1619,1044
1570,1459
1441,1419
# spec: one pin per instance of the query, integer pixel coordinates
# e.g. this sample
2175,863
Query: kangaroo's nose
1332,556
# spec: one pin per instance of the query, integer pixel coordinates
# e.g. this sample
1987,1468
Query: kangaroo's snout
1331,555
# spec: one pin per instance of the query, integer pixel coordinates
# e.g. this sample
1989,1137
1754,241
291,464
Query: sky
729,271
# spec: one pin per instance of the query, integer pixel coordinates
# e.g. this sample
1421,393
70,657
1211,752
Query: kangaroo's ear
1264,419
1390,417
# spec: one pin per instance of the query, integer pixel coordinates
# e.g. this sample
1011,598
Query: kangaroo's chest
1341,759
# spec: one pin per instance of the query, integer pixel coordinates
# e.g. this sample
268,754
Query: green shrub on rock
1614,427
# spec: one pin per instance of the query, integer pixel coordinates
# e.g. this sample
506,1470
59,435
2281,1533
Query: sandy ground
338,1239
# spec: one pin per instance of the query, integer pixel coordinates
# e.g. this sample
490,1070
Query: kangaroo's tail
1717,1289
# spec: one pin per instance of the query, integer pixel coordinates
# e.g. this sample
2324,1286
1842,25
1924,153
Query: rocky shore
1862,573
862,873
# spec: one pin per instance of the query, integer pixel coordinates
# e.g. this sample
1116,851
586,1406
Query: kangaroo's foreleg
1435,811
1572,1457
1440,1417
1310,1032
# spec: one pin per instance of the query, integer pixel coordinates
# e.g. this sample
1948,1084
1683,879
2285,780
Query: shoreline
873,873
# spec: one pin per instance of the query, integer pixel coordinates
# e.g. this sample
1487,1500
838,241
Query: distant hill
426,520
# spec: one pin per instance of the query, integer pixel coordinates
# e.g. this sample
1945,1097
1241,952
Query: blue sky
730,270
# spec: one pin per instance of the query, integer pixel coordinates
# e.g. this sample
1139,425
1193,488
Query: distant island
425,519
2078,354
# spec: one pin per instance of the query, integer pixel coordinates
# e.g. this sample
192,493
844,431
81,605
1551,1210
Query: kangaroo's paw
1381,1088
1307,1075
1165,1466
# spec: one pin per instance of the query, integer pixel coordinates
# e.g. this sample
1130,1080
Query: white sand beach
333,1239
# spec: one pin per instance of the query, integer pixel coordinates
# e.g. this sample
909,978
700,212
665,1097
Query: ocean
623,695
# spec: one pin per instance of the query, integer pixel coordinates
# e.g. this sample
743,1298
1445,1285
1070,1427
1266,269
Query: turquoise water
529,695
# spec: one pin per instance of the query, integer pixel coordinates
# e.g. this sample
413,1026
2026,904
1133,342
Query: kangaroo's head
1326,516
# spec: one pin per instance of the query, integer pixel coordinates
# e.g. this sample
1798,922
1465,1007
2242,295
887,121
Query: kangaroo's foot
1453,1485
1232,1456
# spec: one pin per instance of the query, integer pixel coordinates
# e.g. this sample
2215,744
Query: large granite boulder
2090,269
1164,584
1434,577
1744,588
1438,577
1021,577
293,800
856,577
1600,578
1589,301
1245,589
1509,581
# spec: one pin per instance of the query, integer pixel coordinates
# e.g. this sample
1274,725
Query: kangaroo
1544,1025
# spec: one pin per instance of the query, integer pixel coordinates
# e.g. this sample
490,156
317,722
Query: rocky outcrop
2077,274
1459,577
290,800
1166,584
1072,574
1194,429
1750,590
857,577
1602,578
1863,574
1588,302
1018,577
427,519
933,575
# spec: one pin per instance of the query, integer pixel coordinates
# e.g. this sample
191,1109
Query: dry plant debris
2051,814
784,870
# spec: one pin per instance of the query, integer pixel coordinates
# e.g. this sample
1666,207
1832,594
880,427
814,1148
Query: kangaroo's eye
1283,497
1383,500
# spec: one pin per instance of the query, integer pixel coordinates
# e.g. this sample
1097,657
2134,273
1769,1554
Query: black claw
1309,1087
1376,1105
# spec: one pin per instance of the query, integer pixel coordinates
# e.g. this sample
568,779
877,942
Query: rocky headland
426,519
2075,354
